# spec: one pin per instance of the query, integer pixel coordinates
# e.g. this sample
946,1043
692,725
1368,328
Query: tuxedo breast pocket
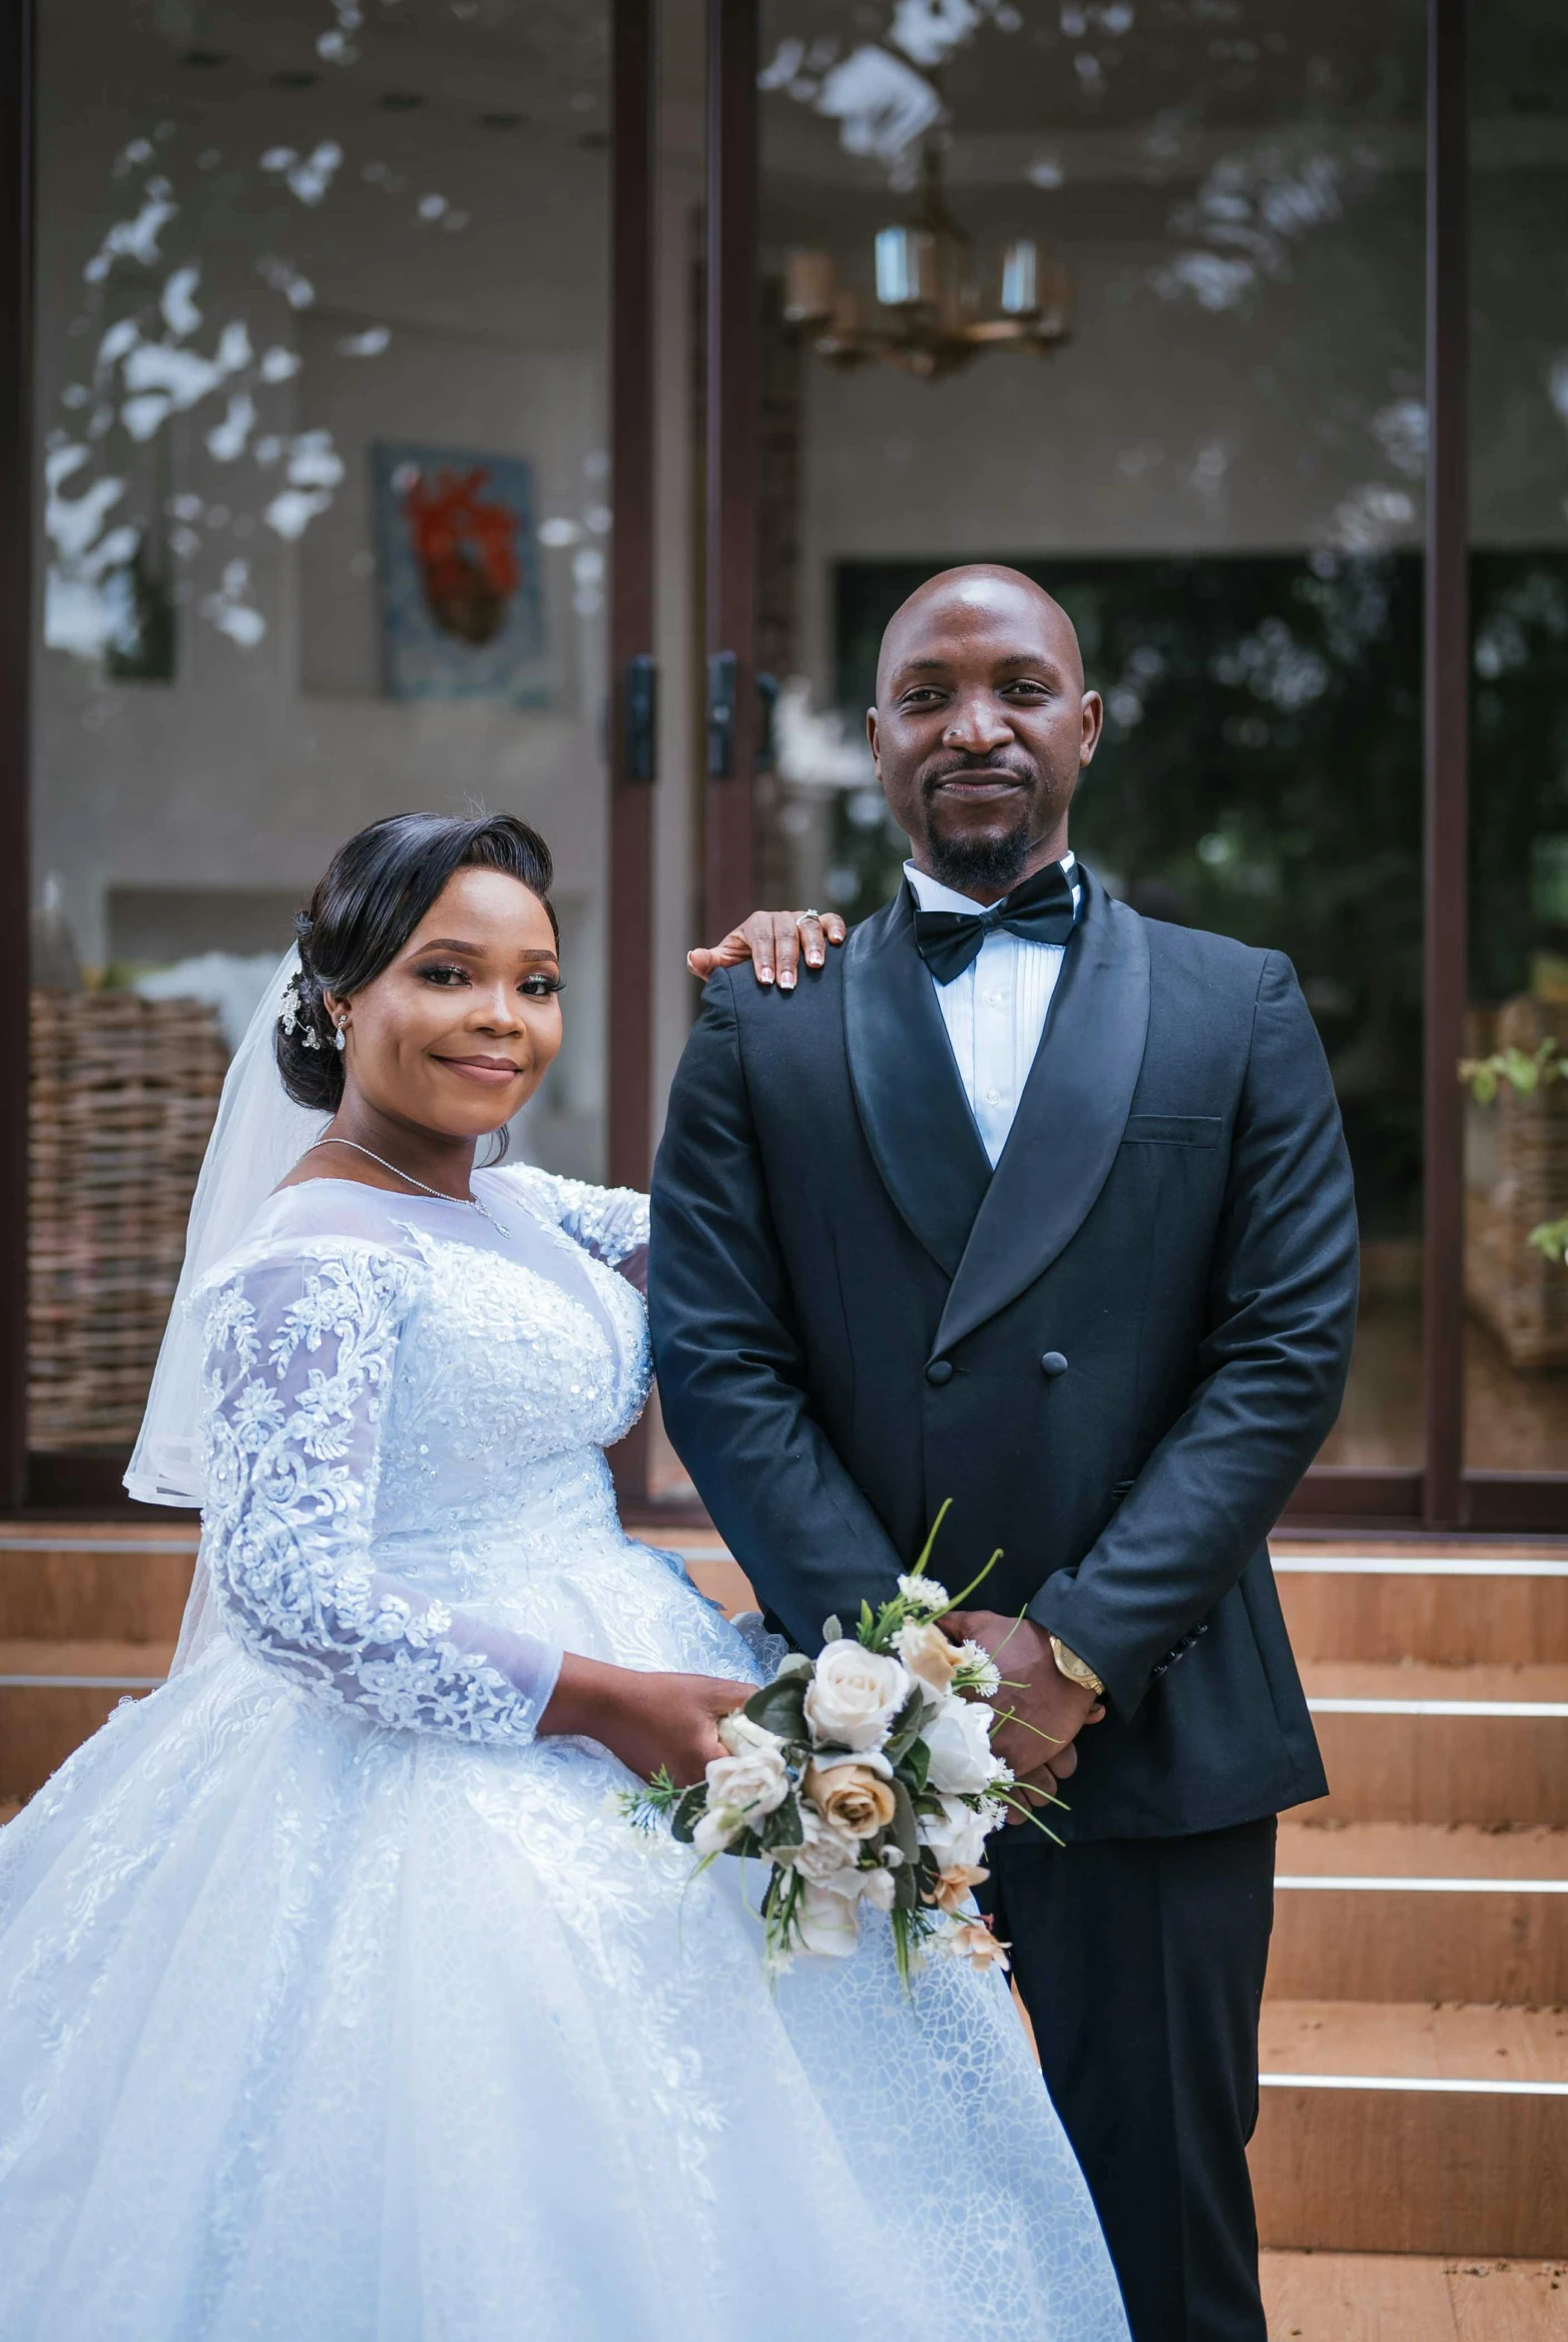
1173,1130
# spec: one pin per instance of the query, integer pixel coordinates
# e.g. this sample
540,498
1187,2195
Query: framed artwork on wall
462,611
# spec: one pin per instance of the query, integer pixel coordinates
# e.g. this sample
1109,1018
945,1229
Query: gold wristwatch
1075,1670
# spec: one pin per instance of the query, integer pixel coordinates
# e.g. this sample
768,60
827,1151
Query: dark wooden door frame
731,395
632,747
16,642
1446,749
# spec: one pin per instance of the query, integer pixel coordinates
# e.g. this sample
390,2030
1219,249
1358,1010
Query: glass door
342,437
1132,301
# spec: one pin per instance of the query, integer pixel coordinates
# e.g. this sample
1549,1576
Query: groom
1028,1201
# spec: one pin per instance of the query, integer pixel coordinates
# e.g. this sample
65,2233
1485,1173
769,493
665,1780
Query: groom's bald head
983,725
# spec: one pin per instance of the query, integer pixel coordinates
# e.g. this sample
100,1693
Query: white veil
260,1134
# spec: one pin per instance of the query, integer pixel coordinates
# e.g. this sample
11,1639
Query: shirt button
993,999
993,1098
939,1371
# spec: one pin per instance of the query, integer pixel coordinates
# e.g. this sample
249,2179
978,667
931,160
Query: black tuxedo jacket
1117,1353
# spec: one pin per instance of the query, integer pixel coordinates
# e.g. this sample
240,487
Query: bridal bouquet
863,1776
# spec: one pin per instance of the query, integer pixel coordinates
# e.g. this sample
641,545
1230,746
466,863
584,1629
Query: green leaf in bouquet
868,1626
795,1663
690,1811
915,1766
904,1730
781,1707
906,1886
904,1828
782,1827
832,1631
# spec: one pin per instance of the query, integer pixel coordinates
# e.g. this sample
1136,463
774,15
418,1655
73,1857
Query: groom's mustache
1015,764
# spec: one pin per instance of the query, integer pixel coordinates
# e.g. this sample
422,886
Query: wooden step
54,1693
1448,1608
1381,1911
1396,2129
1398,2297
1424,1743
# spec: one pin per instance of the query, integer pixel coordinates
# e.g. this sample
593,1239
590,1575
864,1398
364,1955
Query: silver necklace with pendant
397,1171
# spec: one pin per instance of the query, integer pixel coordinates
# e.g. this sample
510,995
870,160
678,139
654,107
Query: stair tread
1424,1679
39,1656
1412,2041
1420,1850
1411,2297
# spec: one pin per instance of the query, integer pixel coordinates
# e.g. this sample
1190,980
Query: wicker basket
122,1095
1510,1286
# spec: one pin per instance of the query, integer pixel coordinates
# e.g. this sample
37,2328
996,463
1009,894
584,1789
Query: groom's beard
991,860
964,863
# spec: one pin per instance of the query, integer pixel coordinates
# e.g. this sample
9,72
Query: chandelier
929,317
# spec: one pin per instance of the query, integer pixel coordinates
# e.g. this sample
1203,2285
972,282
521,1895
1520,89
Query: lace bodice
396,1390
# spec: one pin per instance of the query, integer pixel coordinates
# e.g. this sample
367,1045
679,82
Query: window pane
1220,472
321,395
1516,1153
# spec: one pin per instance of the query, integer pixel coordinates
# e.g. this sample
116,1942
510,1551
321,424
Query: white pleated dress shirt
995,1011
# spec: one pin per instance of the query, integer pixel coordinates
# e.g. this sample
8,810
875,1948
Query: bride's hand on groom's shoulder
773,941
644,1719
1044,1710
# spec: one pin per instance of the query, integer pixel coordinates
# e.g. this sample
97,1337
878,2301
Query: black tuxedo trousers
1116,1354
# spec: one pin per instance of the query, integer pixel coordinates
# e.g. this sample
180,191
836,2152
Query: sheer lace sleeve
608,1222
300,1355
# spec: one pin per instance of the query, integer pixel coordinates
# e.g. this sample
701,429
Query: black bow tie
1041,910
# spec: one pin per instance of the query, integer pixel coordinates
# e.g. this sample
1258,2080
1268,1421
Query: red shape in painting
466,550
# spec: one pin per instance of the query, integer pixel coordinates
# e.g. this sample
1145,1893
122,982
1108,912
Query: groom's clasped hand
1043,1710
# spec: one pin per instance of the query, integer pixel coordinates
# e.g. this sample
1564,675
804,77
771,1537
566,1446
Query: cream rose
959,1739
828,1924
957,1836
754,1781
854,1695
851,1798
928,1656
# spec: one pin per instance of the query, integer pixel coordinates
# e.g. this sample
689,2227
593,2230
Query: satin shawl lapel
911,1103
1070,1118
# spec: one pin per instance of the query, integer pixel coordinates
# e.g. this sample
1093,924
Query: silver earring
337,1037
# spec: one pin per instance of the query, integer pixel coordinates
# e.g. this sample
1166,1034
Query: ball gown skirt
336,2006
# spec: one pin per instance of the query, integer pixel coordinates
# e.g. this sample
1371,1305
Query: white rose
716,1828
930,1656
877,1888
853,1695
959,1739
957,1836
738,1731
828,1924
827,1856
755,1782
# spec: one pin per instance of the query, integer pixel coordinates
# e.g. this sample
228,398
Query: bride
337,1998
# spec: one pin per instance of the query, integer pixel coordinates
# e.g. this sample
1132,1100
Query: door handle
642,718
723,676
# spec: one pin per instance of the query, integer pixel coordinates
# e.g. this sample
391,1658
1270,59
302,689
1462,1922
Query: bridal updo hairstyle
374,893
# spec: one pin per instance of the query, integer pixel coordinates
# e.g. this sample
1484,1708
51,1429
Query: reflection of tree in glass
1261,776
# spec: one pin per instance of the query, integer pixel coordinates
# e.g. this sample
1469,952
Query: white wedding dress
335,2006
